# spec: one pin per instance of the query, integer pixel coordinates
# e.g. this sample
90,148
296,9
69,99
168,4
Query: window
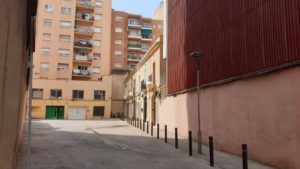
99,95
118,53
131,66
97,29
65,24
97,43
65,38
37,93
119,18
66,10
64,52
98,4
47,22
118,42
45,51
118,64
118,30
133,22
63,67
46,36
78,94
98,16
97,55
48,8
44,66
55,93
96,70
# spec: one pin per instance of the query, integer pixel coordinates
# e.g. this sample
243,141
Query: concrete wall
117,94
13,73
262,112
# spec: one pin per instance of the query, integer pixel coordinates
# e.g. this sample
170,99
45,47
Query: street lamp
197,55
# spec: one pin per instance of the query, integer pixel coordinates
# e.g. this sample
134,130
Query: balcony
82,45
81,73
84,5
134,47
84,30
134,36
147,26
83,59
134,26
84,17
133,58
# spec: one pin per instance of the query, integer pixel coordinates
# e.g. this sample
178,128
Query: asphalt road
105,144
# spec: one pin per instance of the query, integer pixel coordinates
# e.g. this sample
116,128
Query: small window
46,36
37,93
118,30
118,42
65,38
97,43
47,23
48,8
99,95
118,53
78,94
97,55
63,67
65,24
119,18
98,16
45,51
66,10
96,70
97,29
98,4
44,66
64,52
131,66
118,65
55,94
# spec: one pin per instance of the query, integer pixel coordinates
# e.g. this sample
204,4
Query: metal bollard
152,128
211,151
166,134
190,144
245,156
143,126
176,138
140,124
157,131
147,127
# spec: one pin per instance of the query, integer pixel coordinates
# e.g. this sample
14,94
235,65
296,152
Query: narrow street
107,144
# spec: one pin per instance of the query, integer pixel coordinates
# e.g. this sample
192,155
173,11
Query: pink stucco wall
263,112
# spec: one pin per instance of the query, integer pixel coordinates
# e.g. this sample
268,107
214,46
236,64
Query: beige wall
262,112
13,73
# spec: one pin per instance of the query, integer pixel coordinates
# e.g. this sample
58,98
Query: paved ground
106,144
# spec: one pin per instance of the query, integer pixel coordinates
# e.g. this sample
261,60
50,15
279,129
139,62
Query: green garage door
54,112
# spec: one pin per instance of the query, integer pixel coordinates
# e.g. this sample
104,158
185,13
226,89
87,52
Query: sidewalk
222,160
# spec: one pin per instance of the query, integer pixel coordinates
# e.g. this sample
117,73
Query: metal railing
84,29
84,3
83,43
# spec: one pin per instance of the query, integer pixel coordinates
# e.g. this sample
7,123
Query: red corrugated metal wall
238,37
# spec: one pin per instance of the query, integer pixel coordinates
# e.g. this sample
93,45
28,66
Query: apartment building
71,77
132,36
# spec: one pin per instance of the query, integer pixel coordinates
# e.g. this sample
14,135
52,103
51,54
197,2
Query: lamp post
197,55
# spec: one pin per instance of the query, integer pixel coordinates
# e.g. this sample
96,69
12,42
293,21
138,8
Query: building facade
145,84
249,76
71,77
132,36
15,46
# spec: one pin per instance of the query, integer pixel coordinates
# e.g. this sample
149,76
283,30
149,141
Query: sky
142,7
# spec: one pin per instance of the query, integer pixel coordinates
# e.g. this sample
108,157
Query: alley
107,144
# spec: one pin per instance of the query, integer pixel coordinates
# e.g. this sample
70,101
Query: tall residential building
72,60
132,36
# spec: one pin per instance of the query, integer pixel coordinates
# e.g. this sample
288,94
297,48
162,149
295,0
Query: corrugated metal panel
239,37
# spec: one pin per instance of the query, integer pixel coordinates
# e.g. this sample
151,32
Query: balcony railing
84,30
84,3
84,16
82,43
134,25
83,58
84,73
134,46
134,36
133,58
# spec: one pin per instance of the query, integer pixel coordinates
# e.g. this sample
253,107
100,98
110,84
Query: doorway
55,112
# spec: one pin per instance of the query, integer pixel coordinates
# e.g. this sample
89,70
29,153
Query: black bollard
211,151
166,134
143,126
147,127
152,128
157,131
245,156
190,144
176,138
140,124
